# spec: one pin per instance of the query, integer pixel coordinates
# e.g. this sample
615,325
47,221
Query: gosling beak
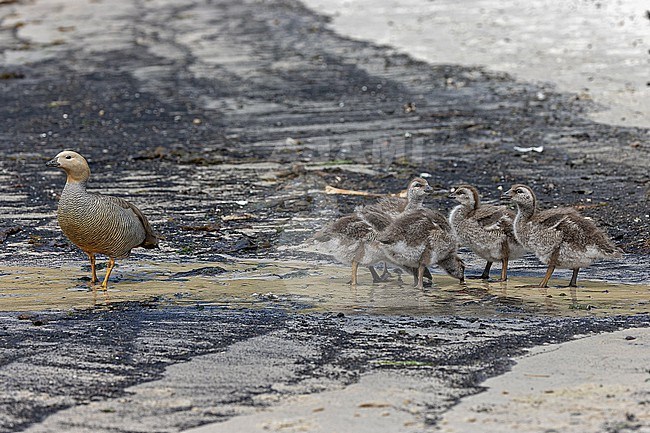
428,189
53,163
507,195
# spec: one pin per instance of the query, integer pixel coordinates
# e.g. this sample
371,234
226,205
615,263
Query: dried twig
333,190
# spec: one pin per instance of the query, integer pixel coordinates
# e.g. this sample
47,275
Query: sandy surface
595,49
146,368
594,384
600,383
382,402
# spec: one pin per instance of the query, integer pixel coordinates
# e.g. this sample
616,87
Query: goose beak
53,163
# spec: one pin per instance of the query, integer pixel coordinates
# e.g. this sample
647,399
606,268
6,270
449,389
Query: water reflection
300,286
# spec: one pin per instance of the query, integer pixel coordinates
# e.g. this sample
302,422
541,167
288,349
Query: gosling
485,229
419,238
560,238
353,238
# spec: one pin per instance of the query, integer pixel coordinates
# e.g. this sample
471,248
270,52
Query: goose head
522,196
418,188
466,195
75,165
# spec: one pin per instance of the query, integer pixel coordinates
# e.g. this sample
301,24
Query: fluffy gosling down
419,238
352,238
560,238
98,224
485,229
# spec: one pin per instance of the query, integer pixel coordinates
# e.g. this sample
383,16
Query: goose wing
489,215
350,226
392,206
411,228
377,219
151,237
577,229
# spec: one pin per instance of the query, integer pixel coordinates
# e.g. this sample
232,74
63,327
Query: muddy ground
81,364
224,122
196,88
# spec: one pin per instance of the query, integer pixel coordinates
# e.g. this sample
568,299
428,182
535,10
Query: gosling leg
376,278
427,274
574,278
547,277
355,267
109,269
486,273
385,274
415,271
504,269
420,283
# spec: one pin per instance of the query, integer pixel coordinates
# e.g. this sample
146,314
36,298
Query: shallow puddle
301,286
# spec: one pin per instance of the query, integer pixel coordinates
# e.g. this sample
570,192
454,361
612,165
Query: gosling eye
68,157
520,191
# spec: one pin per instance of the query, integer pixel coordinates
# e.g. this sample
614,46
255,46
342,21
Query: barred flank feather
103,224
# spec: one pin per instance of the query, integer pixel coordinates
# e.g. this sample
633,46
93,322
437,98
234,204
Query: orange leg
109,269
93,269
547,277
504,269
355,267
420,282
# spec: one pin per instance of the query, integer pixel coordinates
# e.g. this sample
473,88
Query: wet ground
224,122
312,287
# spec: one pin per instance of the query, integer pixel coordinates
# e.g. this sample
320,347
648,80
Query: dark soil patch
329,100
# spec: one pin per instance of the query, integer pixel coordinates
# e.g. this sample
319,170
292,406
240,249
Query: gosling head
466,195
418,188
522,196
73,164
454,266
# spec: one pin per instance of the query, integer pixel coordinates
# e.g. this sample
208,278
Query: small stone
409,107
